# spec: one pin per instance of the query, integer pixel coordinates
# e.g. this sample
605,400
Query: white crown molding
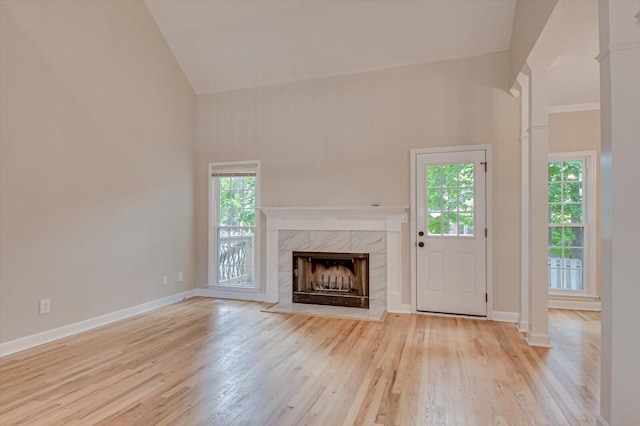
616,47
502,316
592,106
27,342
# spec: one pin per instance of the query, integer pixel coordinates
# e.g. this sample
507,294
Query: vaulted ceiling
571,39
227,45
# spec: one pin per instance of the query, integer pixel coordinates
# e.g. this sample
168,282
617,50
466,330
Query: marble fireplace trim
372,242
374,230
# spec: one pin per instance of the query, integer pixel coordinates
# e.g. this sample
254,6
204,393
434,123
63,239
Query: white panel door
451,223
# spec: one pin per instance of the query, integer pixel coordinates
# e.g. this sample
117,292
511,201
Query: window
570,217
450,196
233,225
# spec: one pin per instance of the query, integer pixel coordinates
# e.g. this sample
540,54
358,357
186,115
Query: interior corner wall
97,167
580,131
346,140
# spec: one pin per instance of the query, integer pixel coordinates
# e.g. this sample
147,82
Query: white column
620,113
538,330
523,321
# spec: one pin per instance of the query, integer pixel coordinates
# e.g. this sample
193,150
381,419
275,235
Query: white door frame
489,207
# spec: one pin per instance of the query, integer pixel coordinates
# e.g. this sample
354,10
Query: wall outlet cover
45,306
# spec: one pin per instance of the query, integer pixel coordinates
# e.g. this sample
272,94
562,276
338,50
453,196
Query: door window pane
465,175
434,224
465,224
450,199
434,196
466,199
434,176
449,176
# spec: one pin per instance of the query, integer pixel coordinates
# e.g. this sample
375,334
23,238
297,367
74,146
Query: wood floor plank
214,362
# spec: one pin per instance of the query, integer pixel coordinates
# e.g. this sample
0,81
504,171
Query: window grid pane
235,230
450,199
566,225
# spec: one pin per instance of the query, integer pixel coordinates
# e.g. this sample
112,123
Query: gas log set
338,279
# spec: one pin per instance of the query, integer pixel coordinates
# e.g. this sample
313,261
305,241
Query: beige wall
579,131
97,124
346,140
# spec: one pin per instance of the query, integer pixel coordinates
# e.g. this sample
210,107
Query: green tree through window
450,197
566,225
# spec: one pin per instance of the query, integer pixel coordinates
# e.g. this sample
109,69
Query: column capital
535,65
522,80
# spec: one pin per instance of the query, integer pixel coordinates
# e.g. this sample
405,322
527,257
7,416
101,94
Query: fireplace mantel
336,210
339,218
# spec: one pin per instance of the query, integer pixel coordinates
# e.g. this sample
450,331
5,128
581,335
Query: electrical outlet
45,306
165,280
180,276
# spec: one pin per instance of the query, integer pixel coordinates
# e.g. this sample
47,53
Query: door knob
420,244
421,233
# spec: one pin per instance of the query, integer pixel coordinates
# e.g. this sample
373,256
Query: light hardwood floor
207,361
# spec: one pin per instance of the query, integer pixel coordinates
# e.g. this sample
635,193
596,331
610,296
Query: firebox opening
338,279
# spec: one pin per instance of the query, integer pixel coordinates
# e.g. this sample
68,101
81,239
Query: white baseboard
600,421
401,309
231,294
395,305
523,326
502,316
406,308
27,342
539,340
577,305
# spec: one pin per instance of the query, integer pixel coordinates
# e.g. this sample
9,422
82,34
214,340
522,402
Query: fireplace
338,279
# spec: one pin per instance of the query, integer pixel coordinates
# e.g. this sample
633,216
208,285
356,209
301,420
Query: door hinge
484,163
486,232
486,297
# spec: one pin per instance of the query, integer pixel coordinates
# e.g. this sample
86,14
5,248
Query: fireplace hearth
324,278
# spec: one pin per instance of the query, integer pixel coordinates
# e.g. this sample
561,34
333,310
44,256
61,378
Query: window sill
578,302
238,288
582,296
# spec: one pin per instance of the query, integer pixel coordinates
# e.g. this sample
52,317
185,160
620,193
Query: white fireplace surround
388,219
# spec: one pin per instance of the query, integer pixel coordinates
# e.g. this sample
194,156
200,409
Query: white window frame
589,191
212,218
